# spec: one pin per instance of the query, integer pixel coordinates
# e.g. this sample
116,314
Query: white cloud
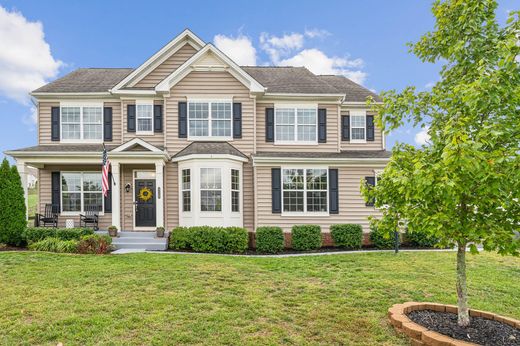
279,46
319,63
239,49
422,137
316,33
26,62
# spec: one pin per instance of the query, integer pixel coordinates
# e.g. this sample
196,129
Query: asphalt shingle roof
210,148
87,80
353,91
66,148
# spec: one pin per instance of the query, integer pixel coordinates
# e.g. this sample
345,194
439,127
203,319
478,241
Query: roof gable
136,144
186,37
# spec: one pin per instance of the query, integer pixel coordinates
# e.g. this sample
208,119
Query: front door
144,203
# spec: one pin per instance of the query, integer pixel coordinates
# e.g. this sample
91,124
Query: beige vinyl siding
332,132
209,85
248,196
171,195
156,139
167,67
45,192
44,122
117,134
377,144
352,208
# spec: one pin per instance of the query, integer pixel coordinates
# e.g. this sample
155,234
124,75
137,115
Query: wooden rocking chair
90,217
50,216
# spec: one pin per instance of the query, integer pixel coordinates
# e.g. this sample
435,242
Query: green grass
203,299
32,202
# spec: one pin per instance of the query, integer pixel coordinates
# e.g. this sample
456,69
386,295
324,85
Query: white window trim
209,137
222,207
143,103
305,213
236,190
186,190
295,107
81,105
357,112
82,211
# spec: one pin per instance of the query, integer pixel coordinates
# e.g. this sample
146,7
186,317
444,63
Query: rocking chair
50,216
90,217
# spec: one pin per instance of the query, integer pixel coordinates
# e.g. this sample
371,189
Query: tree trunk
462,290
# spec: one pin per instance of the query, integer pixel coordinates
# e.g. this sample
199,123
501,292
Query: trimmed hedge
95,244
209,239
35,234
52,244
348,236
306,237
269,239
381,240
421,239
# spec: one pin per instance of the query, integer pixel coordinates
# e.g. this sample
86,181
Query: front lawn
192,299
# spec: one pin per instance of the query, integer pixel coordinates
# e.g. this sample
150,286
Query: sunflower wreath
145,194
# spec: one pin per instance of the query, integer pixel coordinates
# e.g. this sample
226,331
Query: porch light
127,187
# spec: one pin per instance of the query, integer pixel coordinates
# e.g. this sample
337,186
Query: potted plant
112,231
160,232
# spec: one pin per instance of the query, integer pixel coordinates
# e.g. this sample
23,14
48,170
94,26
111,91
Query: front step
139,240
143,246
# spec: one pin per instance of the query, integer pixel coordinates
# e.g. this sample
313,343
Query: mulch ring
481,331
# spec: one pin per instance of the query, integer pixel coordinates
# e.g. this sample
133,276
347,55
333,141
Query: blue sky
362,39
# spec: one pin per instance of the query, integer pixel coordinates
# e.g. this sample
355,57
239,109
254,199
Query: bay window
81,122
186,190
235,190
305,190
209,119
81,191
296,124
210,189
144,117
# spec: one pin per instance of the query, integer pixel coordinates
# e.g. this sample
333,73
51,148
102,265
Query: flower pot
160,232
112,232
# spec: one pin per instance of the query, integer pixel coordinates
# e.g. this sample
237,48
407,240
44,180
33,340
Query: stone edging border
420,335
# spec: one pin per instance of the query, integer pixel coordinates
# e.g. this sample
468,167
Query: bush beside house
209,239
381,240
35,234
349,236
421,239
306,237
269,239
12,206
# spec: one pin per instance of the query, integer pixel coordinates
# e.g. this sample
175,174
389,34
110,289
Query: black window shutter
237,120
55,191
108,198
183,120
322,126
157,118
333,191
371,181
345,127
107,124
269,124
55,123
370,128
130,113
276,190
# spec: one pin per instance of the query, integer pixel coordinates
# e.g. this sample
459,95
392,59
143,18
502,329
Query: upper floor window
296,124
81,122
209,119
358,126
144,117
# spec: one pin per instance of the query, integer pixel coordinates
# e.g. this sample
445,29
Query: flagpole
113,180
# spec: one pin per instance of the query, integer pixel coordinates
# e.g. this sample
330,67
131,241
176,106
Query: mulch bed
12,248
481,330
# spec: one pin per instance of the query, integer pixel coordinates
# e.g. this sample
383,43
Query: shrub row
87,244
35,234
209,239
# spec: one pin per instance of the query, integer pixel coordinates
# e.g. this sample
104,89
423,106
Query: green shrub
180,238
269,239
348,236
306,237
421,239
12,206
209,239
95,244
381,240
55,245
34,234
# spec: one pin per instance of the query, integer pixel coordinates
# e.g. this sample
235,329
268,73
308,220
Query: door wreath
145,194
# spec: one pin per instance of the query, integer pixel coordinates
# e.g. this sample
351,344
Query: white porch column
116,195
22,170
159,193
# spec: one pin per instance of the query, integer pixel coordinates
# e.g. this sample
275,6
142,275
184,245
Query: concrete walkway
126,251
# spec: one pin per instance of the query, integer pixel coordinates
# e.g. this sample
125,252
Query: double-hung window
358,126
296,124
82,122
144,117
235,190
210,189
305,190
186,190
210,119
81,191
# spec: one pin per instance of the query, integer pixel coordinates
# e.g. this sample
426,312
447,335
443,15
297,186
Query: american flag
106,167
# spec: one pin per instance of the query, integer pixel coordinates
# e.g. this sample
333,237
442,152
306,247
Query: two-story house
195,139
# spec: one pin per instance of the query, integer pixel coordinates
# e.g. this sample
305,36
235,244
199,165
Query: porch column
22,170
116,195
159,193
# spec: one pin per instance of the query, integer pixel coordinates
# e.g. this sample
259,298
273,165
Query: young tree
464,186
12,205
